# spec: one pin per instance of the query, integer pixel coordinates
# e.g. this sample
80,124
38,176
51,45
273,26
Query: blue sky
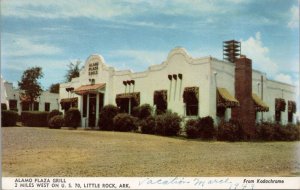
133,34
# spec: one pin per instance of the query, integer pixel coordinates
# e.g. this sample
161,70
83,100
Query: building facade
4,102
189,86
16,101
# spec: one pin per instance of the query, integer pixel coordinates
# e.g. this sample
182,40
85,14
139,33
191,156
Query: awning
69,100
191,94
66,103
133,95
90,88
225,99
292,106
280,104
260,106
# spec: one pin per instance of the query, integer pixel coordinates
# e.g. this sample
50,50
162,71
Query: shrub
106,116
286,133
266,131
124,122
281,133
191,129
206,127
273,131
294,132
148,125
34,118
53,113
72,118
8,118
168,124
230,131
143,111
56,122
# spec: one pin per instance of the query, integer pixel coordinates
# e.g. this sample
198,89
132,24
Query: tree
30,85
54,88
73,71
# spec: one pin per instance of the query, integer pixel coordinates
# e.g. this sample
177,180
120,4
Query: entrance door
92,110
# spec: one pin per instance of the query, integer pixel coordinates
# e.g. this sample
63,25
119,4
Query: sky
132,34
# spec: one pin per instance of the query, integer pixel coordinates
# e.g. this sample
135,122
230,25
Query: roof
259,104
225,99
90,88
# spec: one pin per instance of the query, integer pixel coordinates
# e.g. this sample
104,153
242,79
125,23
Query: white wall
46,96
3,93
197,72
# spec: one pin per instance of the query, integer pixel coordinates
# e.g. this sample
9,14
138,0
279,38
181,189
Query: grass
48,152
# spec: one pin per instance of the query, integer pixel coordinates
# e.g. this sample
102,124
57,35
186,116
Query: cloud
17,46
64,9
284,78
254,49
108,9
45,63
294,18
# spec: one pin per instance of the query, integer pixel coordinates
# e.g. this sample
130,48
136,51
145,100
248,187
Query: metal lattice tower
231,50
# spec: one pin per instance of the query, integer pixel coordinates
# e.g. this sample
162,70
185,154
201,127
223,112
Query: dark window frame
47,106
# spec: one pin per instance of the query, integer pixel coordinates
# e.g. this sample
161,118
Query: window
279,107
190,98
290,117
47,106
25,106
278,116
127,101
160,101
13,105
3,106
291,110
221,112
36,106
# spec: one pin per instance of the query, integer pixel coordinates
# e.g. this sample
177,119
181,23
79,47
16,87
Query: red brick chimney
245,113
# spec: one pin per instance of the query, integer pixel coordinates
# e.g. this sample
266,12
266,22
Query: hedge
72,118
148,125
124,122
168,124
53,113
206,127
143,111
267,131
106,116
230,131
191,129
56,122
34,118
8,118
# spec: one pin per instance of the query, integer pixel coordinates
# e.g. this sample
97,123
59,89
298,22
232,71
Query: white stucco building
45,102
3,94
189,86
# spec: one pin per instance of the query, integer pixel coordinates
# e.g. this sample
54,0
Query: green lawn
47,152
